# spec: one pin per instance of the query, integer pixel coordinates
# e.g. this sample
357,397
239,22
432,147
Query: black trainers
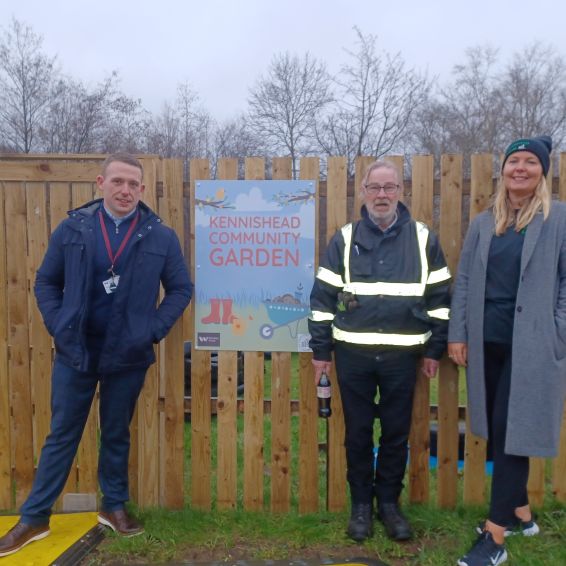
396,525
360,526
525,528
484,552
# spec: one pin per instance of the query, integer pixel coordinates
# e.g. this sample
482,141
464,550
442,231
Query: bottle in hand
324,394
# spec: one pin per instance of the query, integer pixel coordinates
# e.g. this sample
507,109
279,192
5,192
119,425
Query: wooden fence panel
5,401
475,447
308,418
361,164
227,431
59,204
253,398
30,210
46,171
308,438
336,217
172,436
450,239
201,486
281,402
147,415
280,432
419,440
40,341
536,483
87,455
562,176
18,339
559,466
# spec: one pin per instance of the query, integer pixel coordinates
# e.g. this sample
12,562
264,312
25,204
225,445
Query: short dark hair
122,157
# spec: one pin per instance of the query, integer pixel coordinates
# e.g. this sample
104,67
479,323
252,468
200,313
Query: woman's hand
458,353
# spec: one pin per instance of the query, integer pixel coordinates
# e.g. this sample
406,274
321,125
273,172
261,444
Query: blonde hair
506,216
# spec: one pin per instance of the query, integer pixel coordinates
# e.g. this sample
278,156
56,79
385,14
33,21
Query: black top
502,283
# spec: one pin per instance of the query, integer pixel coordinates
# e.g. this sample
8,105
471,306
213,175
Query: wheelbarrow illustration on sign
283,311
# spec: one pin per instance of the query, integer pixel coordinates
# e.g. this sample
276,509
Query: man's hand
458,353
430,367
320,367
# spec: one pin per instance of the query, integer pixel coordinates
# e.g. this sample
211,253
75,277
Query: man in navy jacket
97,289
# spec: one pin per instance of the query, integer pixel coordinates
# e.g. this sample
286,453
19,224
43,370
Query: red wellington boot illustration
227,316
214,316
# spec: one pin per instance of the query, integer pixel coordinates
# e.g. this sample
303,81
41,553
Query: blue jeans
72,393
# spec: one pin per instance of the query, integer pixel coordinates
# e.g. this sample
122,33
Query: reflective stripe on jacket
398,281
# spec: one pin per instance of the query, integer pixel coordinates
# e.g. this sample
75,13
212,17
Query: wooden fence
36,191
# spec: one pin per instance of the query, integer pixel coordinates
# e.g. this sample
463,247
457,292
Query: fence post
336,217
5,414
201,480
422,195
450,238
308,418
227,419
481,189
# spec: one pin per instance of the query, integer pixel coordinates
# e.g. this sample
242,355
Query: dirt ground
242,554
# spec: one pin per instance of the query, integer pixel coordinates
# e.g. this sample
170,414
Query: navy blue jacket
63,287
392,256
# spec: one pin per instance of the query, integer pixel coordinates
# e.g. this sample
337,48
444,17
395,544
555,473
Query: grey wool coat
538,364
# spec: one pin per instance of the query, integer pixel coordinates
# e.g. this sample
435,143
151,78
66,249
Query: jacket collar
366,232
87,211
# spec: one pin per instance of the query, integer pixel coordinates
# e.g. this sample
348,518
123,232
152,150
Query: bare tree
76,116
285,104
164,132
25,78
126,127
376,102
234,138
534,94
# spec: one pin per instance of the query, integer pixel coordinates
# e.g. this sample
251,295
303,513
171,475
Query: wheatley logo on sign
208,339
254,243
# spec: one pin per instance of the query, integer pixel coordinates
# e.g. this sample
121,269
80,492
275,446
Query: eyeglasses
375,188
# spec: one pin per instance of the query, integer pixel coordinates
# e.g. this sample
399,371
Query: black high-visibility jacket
381,289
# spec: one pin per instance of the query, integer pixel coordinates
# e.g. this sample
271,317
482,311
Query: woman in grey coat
508,326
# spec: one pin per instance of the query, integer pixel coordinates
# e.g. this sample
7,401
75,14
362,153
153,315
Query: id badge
110,285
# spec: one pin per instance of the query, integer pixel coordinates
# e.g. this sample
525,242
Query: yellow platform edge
66,530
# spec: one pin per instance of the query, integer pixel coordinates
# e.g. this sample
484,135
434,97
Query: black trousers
510,473
360,374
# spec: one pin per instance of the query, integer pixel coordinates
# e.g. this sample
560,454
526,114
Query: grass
441,536
190,535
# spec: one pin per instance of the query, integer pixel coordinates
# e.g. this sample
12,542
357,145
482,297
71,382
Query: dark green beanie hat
541,146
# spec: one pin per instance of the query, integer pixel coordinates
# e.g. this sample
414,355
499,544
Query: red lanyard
114,257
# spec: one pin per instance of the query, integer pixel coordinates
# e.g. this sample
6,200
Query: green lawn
441,535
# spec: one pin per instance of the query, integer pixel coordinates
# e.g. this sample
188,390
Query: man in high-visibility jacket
380,301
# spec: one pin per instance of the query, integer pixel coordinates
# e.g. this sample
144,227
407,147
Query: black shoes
484,552
396,525
360,526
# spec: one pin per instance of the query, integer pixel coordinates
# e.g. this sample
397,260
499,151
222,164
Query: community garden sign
254,243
